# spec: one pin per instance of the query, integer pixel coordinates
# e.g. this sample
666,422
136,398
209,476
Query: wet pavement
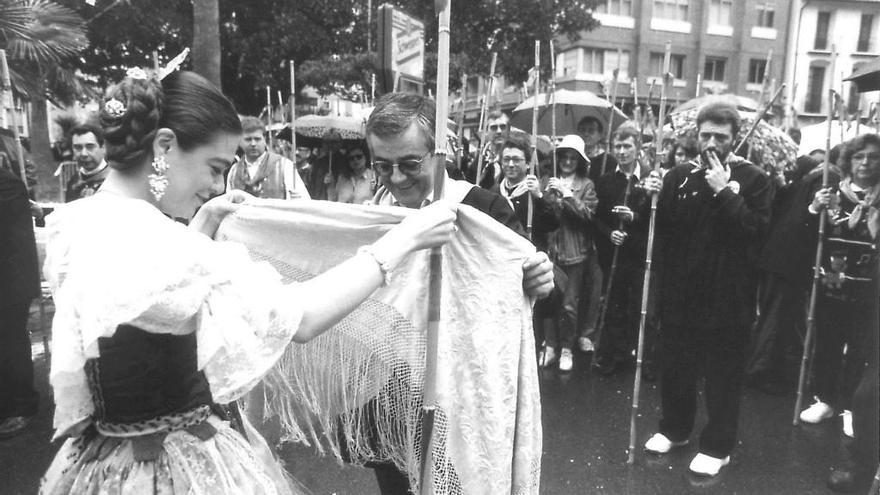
586,433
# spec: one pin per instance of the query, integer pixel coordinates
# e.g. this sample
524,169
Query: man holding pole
400,134
712,216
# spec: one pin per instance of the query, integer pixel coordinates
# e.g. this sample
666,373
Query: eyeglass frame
376,164
498,127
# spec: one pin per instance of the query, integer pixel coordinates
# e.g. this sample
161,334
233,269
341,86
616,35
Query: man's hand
653,183
534,187
624,213
538,276
825,198
718,174
618,237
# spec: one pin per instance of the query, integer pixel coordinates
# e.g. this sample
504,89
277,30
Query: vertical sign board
401,50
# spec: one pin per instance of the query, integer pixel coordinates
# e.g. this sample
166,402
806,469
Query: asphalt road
586,433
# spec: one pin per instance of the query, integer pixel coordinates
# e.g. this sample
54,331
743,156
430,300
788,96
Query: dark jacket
611,190
709,245
19,269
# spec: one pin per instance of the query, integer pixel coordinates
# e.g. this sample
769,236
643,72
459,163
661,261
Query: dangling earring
158,180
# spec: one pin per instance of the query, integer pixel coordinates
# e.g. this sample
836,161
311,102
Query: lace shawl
112,260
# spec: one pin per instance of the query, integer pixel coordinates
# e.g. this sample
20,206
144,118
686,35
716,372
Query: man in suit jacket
19,283
400,133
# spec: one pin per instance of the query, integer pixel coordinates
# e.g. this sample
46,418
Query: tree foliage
326,38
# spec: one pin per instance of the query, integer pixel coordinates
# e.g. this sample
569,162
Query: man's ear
165,139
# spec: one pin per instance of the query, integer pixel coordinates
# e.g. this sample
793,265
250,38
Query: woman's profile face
196,175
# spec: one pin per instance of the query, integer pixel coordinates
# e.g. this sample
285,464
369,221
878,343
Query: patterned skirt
194,456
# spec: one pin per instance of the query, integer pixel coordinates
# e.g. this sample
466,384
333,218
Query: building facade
724,44
852,29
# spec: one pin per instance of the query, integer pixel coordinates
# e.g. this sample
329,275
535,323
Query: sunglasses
410,166
497,127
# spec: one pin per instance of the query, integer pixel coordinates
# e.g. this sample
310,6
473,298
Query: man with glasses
497,130
400,134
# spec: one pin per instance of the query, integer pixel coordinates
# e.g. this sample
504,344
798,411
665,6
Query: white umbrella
813,136
571,108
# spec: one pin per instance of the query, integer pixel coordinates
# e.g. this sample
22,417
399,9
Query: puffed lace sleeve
113,261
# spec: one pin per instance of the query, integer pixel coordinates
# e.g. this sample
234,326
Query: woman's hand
429,227
825,198
555,184
209,216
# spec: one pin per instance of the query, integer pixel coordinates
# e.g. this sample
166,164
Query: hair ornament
136,73
114,108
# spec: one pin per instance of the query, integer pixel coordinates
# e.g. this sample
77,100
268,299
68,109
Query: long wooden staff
269,116
553,104
758,117
483,114
429,400
613,102
7,93
533,165
817,266
291,102
637,385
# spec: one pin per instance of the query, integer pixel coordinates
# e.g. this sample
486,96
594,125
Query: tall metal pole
637,385
817,266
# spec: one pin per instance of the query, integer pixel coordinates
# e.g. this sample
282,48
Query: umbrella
571,107
813,136
741,103
771,147
867,77
312,129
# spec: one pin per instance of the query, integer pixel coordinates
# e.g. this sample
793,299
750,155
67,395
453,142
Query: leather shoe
10,427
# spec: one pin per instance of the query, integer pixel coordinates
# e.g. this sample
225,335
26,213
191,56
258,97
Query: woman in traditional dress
157,325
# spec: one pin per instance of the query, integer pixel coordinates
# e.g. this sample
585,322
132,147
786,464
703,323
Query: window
567,65
813,103
713,70
615,7
756,71
765,15
671,9
864,44
593,61
612,62
822,23
719,12
676,65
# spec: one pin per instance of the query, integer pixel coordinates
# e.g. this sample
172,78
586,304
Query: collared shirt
636,171
357,189
252,166
453,190
85,174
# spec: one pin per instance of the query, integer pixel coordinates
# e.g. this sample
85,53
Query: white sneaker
585,344
660,444
565,361
707,465
847,423
547,357
817,413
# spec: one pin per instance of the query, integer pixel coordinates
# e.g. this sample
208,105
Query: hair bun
130,116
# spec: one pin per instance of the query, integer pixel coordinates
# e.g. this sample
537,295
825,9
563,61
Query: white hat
573,142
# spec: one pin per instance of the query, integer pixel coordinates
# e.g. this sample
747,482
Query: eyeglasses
512,159
497,127
862,156
410,166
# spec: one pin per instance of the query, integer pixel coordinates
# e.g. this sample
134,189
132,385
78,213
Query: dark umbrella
867,77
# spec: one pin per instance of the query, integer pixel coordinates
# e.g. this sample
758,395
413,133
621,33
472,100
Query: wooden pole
459,128
533,165
817,266
553,105
766,76
609,130
637,385
758,117
269,117
699,85
483,120
8,97
435,276
291,102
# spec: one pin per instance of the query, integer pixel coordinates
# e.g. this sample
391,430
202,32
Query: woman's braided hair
184,102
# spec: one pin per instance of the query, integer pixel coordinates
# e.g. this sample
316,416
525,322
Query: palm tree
41,38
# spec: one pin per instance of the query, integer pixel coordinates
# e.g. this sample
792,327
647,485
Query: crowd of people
731,272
